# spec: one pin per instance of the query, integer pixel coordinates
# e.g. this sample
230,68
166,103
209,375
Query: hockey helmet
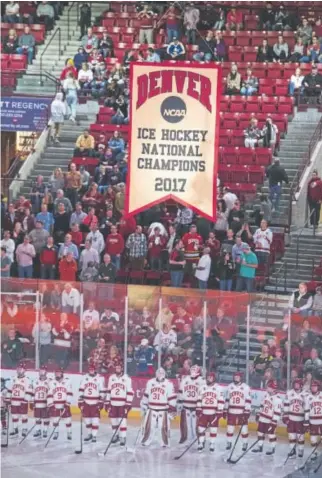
195,371
271,386
21,369
238,378
59,374
315,387
297,384
119,368
211,378
43,373
160,374
91,368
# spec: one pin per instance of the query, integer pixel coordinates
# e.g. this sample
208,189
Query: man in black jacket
313,83
267,17
276,175
85,18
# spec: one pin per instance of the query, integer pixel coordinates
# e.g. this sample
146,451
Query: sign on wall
24,114
174,136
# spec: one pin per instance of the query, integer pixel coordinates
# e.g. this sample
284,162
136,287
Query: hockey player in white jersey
18,396
39,403
313,415
187,403
237,409
158,405
59,400
210,408
269,414
92,394
293,417
118,402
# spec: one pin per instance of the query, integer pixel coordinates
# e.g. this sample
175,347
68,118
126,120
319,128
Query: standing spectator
62,341
236,218
97,238
172,239
249,84
107,270
190,20
314,198
12,13
234,20
314,364
25,253
203,268
144,356
70,299
68,246
73,184
5,264
237,251
263,239
192,242
56,182
137,246
265,52
71,88
107,222
41,332
296,82
26,44
301,301
85,18
183,219
225,271
269,135
85,178
214,245
114,246
146,18
38,237
69,68
48,260
106,46
259,365
37,193
267,17
88,254
18,234
61,199
89,41
280,50
172,19
46,218
46,14
67,268
85,144
120,198
61,226
77,235
176,264
78,215
276,174
304,32
317,303
252,134
229,198
117,145
176,50
229,242
313,84
156,244
9,245
206,48
11,350
58,112
247,272
233,81
282,20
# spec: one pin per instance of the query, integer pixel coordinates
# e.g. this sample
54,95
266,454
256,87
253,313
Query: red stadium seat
246,156
265,86
235,53
269,104
253,104
237,104
129,35
225,137
225,103
229,38
18,62
229,155
263,156
238,138
108,22
250,53
285,105
256,174
243,38
251,22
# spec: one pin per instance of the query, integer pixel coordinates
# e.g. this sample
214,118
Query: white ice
30,460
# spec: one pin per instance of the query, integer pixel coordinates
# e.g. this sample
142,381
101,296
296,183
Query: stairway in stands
29,83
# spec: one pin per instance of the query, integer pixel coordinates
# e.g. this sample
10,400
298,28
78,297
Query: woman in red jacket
68,268
314,198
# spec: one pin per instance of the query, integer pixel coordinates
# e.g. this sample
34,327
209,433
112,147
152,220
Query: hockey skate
37,434
69,435
44,434
122,442
314,456
55,436
212,447
115,439
300,453
201,446
270,452
228,446
24,432
93,439
245,446
259,449
3,431
88,438
14,433
292,452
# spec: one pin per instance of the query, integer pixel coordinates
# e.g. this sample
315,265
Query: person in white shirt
263,239
203,269
85,76
9,244
97,239
165,340
91,318
229,198
295,81
70,299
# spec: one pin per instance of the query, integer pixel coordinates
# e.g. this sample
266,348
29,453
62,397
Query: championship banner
174,128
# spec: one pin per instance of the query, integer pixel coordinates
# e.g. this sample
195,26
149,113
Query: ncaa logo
173,109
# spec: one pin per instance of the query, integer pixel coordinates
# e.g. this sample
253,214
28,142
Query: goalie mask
195,371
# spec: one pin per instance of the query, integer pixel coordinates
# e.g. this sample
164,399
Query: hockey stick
60,417
192,443
132,450
233,462
289,455
308,458
29,431
80,450
317,469
102,454
5,445
236,441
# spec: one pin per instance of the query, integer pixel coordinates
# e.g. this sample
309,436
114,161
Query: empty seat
18,62
250,53
235,53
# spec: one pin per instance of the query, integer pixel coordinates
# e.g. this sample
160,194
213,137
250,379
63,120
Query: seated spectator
11,350
105,45
267,17
71,88
314,365
12,13
68,246
117,145
252,134
165,340
298,51
107,270
263,238
260,364
247,271
48,260
313,52
233,82
98,86
89,41
96,61
265,52
304,32
296,82
206,48
152,56
190,21
85,78
61,226
269,135
46,14
249,84
219,47
312,84
98,356
117,74
80,58
234,20
113,91
317,302
26,44
61,199
121,111
225,271
176,50
69,68
10,42
301,301
129,57
109,321
280,50
85,144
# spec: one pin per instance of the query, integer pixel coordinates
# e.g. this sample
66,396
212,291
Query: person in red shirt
48,260
214,245
68,68
20,206
90,219
234,20
77,235
68,268
127,226
314,198
93,198
156,244
114,246
192,242
172,19
180,319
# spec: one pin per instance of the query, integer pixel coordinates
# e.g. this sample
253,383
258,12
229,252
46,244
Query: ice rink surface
30,460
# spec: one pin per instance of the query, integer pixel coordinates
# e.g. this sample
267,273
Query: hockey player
4,406
39,403
293,417
59,399
19,394
118,402
237,409
91,401
158,404
210,408
187,403
313,415
270,412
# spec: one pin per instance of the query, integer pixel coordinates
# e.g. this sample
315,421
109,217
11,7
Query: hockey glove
286,420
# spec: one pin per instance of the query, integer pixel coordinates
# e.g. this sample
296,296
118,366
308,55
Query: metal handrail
60,53
300,234
68,17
